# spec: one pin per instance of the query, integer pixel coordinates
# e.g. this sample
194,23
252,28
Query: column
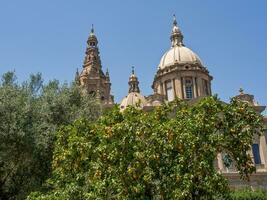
163,88
263,151
178,87
199,85
174,88
220,162
182,87
194,87
209,87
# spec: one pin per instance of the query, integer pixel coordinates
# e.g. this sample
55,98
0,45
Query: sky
50,37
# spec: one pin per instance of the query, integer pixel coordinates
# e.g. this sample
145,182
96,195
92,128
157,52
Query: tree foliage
168,153
248,194
30,114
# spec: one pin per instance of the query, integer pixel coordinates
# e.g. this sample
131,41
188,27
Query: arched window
188,88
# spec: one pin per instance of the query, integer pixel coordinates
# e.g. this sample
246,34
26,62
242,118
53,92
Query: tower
134,98
92,77
180,72
133,83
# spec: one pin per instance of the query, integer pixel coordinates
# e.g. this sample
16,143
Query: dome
133,99
180,55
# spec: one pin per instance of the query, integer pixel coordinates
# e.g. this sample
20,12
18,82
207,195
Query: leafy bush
249,195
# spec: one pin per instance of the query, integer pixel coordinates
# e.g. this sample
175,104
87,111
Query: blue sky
50,37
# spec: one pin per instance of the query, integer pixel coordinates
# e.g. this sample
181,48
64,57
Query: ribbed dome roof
133,99
180,55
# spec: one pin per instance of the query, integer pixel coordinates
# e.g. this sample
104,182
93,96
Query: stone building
92,77
180,74
258,153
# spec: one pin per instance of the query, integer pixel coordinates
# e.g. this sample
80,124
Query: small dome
180,55
133,99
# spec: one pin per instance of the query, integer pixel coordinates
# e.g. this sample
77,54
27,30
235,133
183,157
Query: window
169,91
227,161
188,92
188,88
256,154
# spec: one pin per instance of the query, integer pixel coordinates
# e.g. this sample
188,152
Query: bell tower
133,83
92,77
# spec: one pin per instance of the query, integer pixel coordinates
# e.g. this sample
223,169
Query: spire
107,73
92,40
92,54
176,35
92,30
241,91
133,70
107,76
77,77
174,20
133,82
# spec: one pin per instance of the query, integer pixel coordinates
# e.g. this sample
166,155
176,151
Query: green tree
168,153
30,114
248,194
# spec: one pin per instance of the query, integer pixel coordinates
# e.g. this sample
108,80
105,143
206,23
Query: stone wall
257,180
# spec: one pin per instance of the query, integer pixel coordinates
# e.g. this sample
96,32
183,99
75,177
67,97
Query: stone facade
258,153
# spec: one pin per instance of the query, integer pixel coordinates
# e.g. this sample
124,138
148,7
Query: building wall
177,75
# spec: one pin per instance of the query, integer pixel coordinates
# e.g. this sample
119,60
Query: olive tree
30,115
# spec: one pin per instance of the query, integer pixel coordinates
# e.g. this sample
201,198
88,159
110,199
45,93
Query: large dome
180,55
181,73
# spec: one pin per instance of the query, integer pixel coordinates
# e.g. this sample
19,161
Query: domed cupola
134,98
92,39
176,36
180,72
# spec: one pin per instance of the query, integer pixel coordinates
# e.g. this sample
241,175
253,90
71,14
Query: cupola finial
174,20
176,35
92,39
241,90
133,70
92,29
133,82
107,73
